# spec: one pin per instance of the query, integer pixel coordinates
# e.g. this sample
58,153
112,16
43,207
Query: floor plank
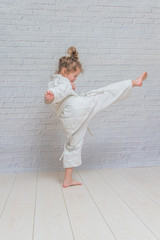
17,220
86,220
51,219
143,181
151,217
123,222
112,204
146,179
132,196
6,182
156,169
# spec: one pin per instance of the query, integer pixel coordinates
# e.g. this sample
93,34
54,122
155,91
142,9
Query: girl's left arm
73,86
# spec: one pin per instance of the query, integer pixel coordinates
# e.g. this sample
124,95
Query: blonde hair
70,62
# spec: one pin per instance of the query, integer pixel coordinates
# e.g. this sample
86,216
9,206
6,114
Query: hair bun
72,51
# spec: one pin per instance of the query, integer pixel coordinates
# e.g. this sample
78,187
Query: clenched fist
48,97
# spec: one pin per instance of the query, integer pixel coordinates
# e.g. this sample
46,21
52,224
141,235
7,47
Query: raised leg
112,93
106,96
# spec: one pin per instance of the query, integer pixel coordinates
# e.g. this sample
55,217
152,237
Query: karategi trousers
77,114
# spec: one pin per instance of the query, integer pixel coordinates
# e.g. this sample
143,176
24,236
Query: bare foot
71,183
139,80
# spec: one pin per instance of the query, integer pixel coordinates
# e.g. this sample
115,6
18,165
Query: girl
75,112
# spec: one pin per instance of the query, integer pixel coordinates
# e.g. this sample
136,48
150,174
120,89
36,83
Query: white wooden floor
122,204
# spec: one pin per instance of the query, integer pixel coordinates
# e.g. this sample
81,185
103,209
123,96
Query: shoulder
58,79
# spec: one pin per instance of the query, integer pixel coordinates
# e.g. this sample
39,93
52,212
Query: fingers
73,86
48,100
49,93
49,97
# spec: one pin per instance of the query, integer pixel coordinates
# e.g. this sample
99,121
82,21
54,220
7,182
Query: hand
48,97
73,86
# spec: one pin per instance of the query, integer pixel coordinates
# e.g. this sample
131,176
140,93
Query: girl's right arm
48,97
60,88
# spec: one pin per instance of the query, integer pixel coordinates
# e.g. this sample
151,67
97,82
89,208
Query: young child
75,112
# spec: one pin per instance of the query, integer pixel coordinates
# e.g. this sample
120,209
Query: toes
76,183
72,184
145,74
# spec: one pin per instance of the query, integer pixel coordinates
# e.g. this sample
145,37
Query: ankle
67,179
133,83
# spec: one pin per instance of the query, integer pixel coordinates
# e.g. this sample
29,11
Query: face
72,76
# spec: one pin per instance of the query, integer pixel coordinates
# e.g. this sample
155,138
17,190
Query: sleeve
60,88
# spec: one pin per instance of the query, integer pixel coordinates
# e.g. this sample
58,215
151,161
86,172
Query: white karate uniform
75,111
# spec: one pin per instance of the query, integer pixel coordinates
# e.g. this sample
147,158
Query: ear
64,70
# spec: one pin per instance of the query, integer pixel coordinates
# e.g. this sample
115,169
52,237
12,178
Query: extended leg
106,96
112,93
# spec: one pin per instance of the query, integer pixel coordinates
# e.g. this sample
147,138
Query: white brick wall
116,40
